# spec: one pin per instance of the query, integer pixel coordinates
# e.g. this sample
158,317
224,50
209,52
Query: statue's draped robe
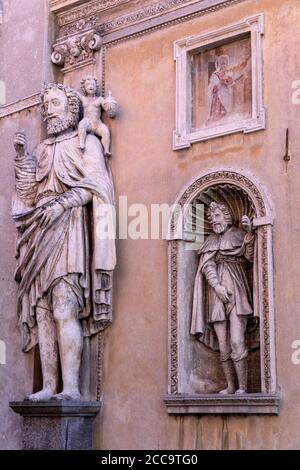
223,259
72,248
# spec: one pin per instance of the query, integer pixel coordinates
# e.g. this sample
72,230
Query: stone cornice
162,13
84,9
138,22
252,403
87,16
58,5
20,105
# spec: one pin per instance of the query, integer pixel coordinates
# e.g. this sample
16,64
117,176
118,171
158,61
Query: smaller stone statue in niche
92,104
223,301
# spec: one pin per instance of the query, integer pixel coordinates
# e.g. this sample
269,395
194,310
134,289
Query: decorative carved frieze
82,25
64,19
72,48
88,8
58,5
70,21
144,13
77,50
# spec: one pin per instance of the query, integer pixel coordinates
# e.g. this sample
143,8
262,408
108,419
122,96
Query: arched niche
190,387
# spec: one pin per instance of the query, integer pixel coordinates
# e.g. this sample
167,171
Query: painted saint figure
64,269
221,86
92,104
223,300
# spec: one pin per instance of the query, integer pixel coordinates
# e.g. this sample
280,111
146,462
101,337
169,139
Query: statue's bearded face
57,113
218,221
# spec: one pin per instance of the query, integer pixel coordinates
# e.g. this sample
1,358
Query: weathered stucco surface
141,73
23,68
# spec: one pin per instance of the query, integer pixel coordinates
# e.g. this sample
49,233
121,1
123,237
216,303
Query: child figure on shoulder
93,103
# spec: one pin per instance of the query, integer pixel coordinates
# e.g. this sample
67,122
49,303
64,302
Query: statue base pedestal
57,425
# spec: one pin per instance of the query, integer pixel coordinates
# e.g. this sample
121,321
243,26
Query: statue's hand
223,293
50,214
246,223
20,144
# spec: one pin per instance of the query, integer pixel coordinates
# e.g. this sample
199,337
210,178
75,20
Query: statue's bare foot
44,394
72,395
240,391
227,391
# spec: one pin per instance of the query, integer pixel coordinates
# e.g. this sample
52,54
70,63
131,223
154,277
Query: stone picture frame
251,29
183,350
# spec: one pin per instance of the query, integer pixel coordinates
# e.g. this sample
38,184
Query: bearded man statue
223,300
64,265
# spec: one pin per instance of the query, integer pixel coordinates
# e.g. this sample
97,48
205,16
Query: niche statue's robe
72,248
223,259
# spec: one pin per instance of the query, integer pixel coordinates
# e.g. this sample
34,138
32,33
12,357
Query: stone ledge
56,408
22,104
254,403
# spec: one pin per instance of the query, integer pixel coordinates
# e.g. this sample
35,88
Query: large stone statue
64,266
223,300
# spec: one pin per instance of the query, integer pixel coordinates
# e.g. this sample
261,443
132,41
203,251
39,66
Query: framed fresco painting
219,83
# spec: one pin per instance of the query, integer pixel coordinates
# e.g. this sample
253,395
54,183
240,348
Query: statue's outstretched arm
25,171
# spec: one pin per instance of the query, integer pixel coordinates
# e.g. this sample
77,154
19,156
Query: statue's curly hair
90,77
72,96
214,206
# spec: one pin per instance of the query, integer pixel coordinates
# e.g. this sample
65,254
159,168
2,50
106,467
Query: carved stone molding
77,23
178,400
83,24
144,19
76,51
146,12
20,105
79,12
173,327
227,176
58,5
250,404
